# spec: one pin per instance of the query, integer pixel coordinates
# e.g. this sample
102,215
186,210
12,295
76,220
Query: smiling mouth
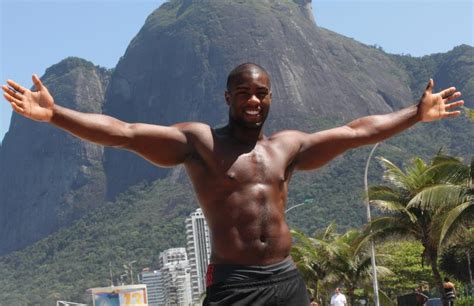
252,112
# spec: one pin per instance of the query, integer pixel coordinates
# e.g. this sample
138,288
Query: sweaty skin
240,176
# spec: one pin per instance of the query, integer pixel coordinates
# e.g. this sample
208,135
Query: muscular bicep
162,145
319,148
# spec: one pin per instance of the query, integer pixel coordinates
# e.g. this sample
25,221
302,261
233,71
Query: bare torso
242,189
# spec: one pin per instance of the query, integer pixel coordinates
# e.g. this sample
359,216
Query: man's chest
262,163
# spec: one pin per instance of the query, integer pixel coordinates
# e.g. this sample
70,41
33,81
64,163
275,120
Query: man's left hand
434,106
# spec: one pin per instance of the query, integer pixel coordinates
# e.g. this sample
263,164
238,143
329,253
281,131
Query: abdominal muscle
242,191
248,227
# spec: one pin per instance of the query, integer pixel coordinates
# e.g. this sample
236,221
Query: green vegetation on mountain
140,224
452,68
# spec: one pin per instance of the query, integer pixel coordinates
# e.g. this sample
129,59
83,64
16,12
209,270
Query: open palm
434,106
36,105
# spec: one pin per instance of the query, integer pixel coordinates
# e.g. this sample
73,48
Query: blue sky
36,34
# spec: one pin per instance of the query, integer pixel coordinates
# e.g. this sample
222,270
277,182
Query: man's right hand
37,105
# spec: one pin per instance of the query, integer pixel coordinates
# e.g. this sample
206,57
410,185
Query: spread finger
16,86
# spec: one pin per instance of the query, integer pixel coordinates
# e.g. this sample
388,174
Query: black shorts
283,286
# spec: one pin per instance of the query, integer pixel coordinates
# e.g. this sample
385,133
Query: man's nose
254,99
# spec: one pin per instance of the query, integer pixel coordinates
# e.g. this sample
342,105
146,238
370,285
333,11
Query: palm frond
392,206
383,271
394,174
471,174
454,218
469,112
383,228
438,197
382,192
328,232
384,299
448,169
363,266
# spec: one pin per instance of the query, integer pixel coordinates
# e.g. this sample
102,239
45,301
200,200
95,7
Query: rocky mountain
49,178
175,70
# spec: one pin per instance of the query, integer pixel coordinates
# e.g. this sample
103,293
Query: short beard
245,124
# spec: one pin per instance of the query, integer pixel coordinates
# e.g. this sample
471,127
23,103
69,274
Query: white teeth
250,112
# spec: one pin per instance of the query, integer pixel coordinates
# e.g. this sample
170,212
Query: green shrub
464,301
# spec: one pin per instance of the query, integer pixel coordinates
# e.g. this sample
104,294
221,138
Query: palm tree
329,260
456,260
354,267
313,257
429,202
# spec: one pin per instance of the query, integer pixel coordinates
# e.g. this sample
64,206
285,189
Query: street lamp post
121,278
128,268
131,270
369,219
307,201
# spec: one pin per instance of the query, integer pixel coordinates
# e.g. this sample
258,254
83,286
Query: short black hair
238,71
446,279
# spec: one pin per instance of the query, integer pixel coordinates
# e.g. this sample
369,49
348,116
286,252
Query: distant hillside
137,226
453,68
48,178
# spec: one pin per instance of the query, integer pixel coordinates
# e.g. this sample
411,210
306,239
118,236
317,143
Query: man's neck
245,134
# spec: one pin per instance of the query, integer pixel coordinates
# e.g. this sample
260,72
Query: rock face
176,67
175,70
49,178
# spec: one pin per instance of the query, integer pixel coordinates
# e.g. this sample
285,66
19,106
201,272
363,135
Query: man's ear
227,97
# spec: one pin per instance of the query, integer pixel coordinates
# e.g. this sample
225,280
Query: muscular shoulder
287,142
194,130
288,138
198,136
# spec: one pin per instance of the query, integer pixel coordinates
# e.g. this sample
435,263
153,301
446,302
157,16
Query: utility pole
375,283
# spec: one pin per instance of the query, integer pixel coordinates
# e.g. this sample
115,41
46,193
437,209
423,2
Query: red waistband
210,275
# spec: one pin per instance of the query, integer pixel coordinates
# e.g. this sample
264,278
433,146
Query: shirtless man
240,175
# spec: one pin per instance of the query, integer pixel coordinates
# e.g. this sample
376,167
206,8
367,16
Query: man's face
249,98
337,290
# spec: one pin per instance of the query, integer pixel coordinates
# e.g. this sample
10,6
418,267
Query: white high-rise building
172,255
199,252
154,287
176,277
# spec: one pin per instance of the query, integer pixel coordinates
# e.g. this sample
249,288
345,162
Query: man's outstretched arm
319,148
165,146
